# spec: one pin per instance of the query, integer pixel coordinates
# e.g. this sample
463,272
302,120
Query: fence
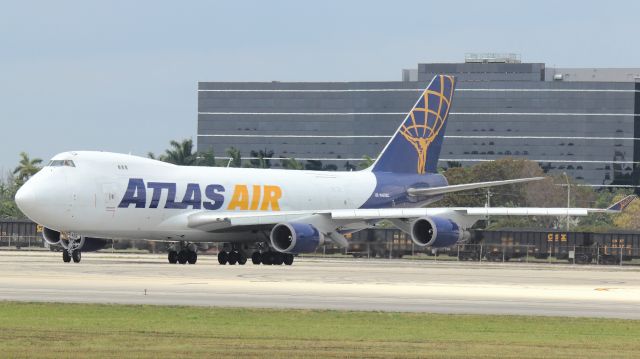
621,253
22,242
606,255
595,254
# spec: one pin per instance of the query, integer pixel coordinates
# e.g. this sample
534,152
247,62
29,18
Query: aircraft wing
617,207
467,186
211,221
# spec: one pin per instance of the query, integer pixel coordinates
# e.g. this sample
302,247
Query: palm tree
236,158
207,159
366,162
262,159
180,153
26,168
313,165
349,167
292,164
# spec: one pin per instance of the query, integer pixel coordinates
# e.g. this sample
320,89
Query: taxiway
345,284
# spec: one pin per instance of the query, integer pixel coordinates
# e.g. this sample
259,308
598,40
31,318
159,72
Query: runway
345,284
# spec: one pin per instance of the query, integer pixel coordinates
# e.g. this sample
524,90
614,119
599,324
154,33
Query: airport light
568,198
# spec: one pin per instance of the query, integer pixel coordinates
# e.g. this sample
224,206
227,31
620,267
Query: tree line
183,154
550,192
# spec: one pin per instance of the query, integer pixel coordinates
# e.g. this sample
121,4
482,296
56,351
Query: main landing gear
266,258
232,257
272,258
259,253
183,253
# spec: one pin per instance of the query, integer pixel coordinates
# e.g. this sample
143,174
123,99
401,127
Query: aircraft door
109,197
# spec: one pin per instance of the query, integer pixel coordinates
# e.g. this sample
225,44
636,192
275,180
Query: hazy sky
122,75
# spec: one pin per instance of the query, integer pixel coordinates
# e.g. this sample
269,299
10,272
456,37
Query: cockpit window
61,163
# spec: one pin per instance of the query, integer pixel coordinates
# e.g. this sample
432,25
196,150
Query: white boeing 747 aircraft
83,198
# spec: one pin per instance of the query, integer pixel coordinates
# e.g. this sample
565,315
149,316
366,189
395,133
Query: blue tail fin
415,147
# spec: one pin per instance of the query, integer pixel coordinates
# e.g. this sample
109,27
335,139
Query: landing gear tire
279,259
76,255
66,257
242,259
233,257
288,259
192,257
256,258
267,258
173,257
223,257
183,256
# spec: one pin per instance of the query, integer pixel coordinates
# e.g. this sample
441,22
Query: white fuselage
89,198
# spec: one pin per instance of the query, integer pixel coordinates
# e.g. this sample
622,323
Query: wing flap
528,211
209,221
387,213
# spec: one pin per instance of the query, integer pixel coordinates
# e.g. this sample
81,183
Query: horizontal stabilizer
621,204
463,187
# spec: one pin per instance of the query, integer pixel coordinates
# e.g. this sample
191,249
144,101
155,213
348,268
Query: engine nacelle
296,237
84,244
94,244
436,232
50,236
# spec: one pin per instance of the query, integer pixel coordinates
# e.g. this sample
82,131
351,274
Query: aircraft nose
25,198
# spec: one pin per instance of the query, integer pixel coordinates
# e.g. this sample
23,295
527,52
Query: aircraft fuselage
121,196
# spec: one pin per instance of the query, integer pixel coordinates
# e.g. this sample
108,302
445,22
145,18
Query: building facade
502,108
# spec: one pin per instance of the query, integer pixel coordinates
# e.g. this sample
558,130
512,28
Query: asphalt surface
348,284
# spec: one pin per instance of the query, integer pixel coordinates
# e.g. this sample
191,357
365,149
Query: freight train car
503,245
382,242
19,233
575,247
616,247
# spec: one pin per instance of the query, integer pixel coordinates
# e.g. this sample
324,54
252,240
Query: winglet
622,204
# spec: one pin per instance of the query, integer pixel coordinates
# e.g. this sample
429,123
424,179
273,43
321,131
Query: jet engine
93,244
436,232
294,237
85,244
50,236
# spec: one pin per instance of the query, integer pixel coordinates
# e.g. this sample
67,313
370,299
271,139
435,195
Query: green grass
37,330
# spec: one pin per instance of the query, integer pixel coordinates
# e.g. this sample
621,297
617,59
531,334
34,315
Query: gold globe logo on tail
426,123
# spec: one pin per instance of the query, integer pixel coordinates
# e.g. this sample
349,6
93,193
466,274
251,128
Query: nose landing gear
71,248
